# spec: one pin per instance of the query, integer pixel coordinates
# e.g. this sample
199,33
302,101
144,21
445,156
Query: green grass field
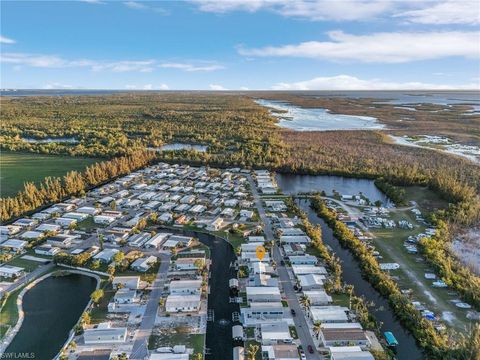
16,168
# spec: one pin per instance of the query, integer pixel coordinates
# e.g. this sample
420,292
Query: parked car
310,349
293,312
302,355
282,263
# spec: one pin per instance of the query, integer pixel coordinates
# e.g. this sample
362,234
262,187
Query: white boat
463,305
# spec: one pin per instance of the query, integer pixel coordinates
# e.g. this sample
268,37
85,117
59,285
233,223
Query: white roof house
261,312
256,239
168,356
182,303
65,222
178,287
10,229
47,250
88,210
9,271
48,227
311,281
295,239
349,353
328,314
138,240
103,219
274,333
14,244
130,282
308,269
24,222
318,297
104,334
303,260
31,235
263,294
125,296
156,240
144,264
106,255
76,216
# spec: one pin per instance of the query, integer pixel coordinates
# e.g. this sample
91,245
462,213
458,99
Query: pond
292,184
52,308
181,146
351,273
307,119
64,140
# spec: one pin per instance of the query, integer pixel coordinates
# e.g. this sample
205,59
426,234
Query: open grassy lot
195,341
426,199
99,312
411,275
16,168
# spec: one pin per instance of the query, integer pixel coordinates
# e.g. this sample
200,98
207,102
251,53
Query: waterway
52,308
219,331
318,119
293,184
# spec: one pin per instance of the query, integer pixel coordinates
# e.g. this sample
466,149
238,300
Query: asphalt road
140,350
300,321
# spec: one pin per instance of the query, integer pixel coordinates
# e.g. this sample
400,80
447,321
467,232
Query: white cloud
217,87
147,87
308,9
380,47
5,40
56,85
142,6
447,12
244,88
135,5
191,67
126,66
347,82
53,61
93,1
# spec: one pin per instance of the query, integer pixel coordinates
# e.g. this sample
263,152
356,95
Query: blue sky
255,44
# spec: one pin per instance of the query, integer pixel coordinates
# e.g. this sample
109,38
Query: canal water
219,331
293,184
52,308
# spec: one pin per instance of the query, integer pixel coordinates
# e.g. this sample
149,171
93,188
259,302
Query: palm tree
305,301
252,351
317,327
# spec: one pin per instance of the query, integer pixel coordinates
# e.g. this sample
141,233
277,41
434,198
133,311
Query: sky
240,45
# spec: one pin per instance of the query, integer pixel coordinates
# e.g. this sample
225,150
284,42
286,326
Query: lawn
195,341
17,168
389,242
426,199
99,312
9,312
28,265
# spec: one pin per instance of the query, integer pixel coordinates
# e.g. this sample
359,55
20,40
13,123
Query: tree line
54,189
437,345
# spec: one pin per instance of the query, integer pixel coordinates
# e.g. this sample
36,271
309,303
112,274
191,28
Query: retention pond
52,308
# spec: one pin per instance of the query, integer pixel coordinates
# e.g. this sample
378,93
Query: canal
219,331
52,308
294,184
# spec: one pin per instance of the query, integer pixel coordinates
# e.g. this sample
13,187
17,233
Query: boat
463,305
391,340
